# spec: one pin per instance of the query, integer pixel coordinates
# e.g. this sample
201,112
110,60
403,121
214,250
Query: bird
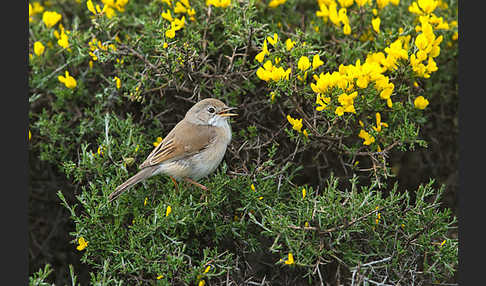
191,150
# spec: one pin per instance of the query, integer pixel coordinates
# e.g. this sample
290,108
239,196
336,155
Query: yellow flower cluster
218,3
109,7
347,103
423,7
338,15
273,41
181,7
428,48
271,72
95,46
361,75
34,9
62,37
328,11
351,77
157,141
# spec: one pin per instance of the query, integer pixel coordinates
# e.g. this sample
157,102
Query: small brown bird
192,149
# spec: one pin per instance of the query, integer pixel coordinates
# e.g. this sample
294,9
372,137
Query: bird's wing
188,140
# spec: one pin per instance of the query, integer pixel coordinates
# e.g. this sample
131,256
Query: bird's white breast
207,160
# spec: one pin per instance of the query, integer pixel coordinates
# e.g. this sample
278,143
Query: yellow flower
145,202
427,6
386,93
168,210
191,12
442,243
290,259
218,3
157,141
30,135
160,277
260,56
252,187
322,101
323,12
271,72
376,24
303,63
379,124
382,3
273,40
339,111
420,102
368,139
177,23
68,80
38,48
207,269
347,29
118,82
50,18
275,3
165,45
170,33
361,2
316,62
82,244
272,96
305,133
289,44
304,192
201,283
35,8
347,102
296,123
166,15
179,8
378,217
90,6
100,151
63,40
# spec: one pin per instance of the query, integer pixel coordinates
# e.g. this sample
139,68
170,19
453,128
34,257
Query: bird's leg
196,183
203,187
175,183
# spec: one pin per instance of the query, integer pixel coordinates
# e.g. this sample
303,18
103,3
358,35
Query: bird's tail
140,176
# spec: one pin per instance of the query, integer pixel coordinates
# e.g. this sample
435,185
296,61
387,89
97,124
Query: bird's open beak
225,113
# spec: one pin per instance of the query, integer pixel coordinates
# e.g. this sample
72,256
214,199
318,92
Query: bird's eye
211,109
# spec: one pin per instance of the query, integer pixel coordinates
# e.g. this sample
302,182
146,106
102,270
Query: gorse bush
325,91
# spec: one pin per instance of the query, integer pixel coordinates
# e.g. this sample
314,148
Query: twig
333,229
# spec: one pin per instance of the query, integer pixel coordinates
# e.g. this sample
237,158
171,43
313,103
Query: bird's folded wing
188,140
